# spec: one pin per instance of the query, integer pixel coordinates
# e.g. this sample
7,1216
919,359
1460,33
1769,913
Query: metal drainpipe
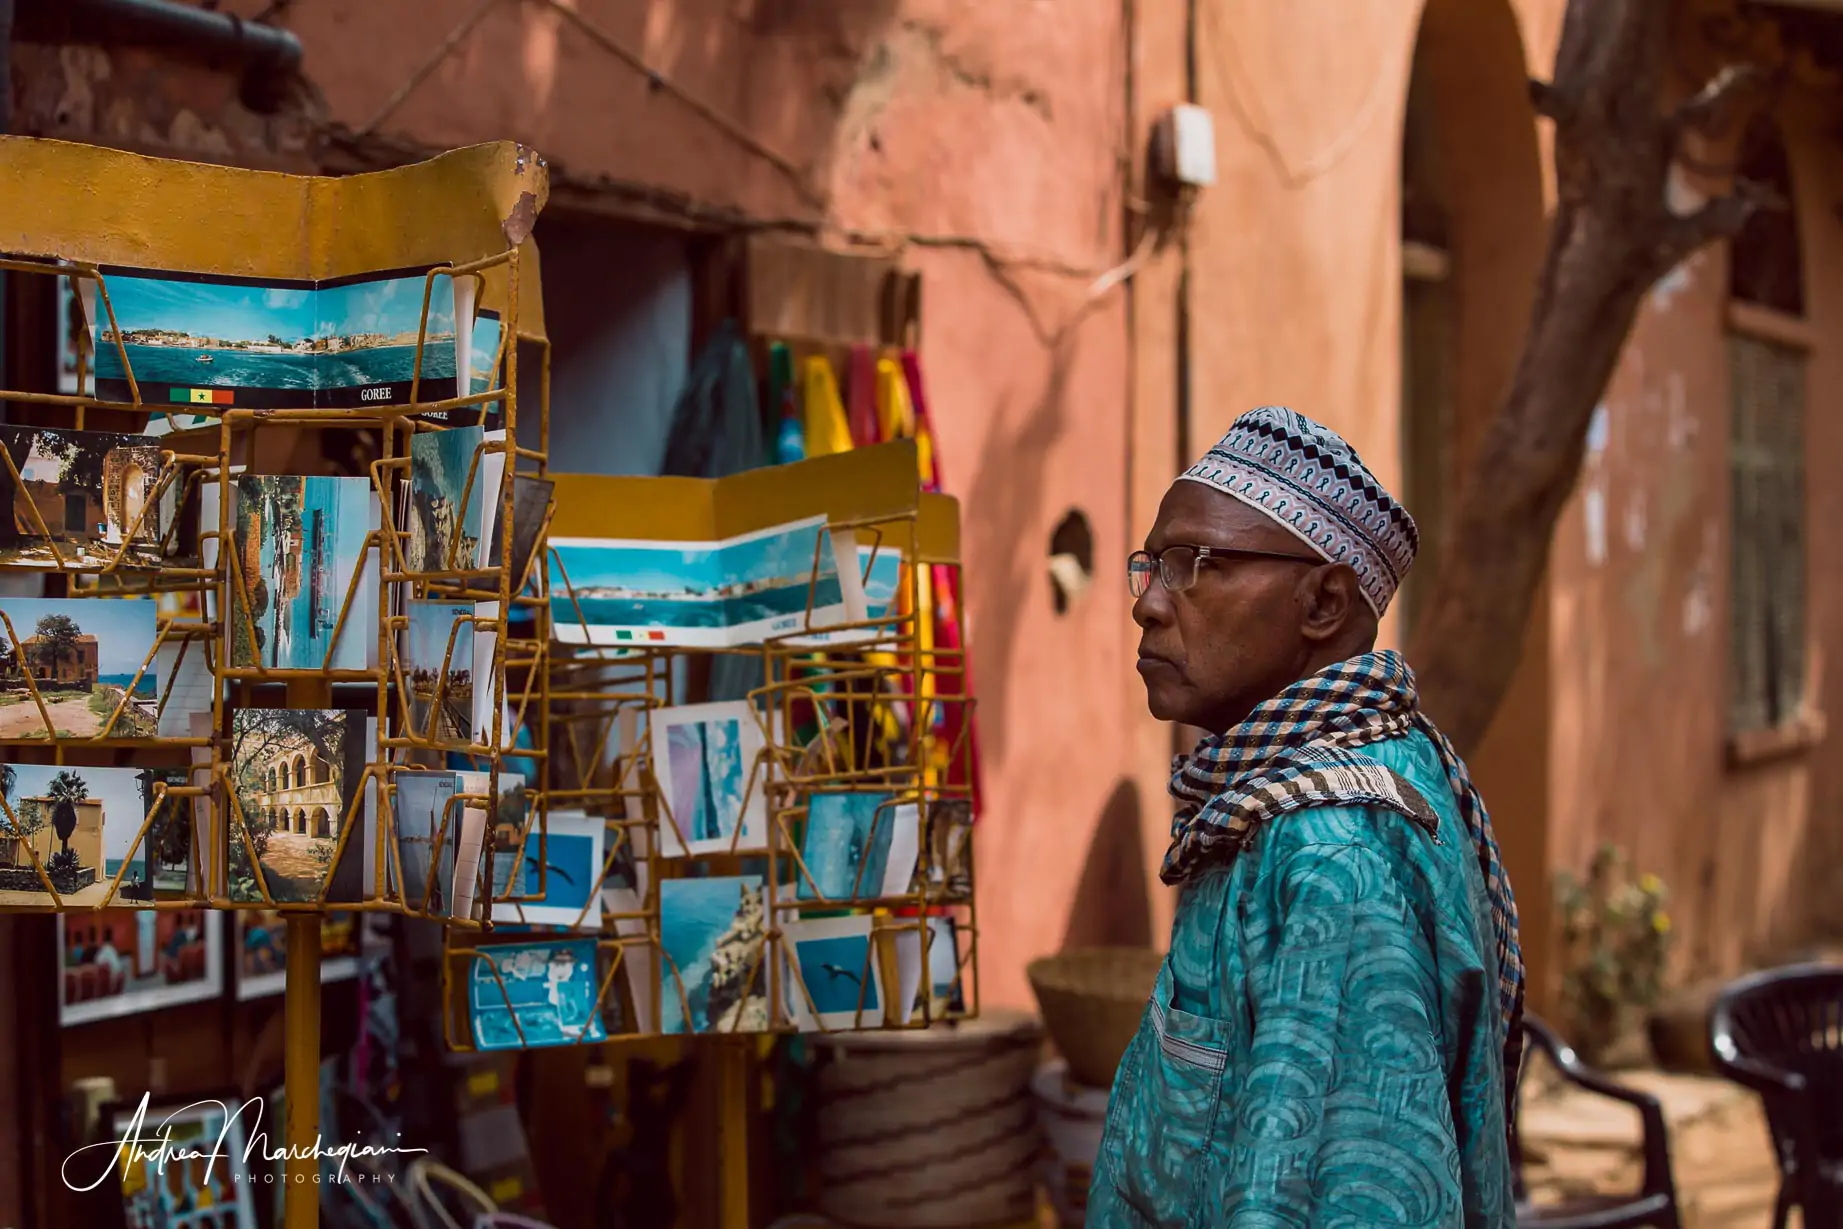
270,56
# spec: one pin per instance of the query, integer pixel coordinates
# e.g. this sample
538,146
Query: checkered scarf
1294,752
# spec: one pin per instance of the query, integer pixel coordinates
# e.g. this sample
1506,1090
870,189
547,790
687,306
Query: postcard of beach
743,590
448,483
259,945
159,864
879,579
115,962
707,758
440,634
427,875
86,497
80,824
834,959
529,995
82,654
567,864
858,846
256,344
715,951
485,365
296,773
299,542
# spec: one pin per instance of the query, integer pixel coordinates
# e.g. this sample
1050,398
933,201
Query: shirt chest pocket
1173,1136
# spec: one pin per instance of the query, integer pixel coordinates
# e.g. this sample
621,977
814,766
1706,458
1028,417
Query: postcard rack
315,625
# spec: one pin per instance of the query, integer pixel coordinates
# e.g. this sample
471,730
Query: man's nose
1153,607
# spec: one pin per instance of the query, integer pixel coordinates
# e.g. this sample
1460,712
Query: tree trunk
1613,235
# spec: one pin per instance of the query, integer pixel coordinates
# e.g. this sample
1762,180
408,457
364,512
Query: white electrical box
1186,144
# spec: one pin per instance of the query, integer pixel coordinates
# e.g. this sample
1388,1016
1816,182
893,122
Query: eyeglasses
1176,566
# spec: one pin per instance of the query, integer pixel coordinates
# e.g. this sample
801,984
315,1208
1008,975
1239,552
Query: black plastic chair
1780,1033
1654,1205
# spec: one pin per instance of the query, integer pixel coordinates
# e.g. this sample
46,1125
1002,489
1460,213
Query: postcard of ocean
484,362
702,594
568,863
712,935
256,344
296,773
81,825
81,654
858,846
299,542
440,633
880,573
86,497
447,487
527,995
427,877
834,961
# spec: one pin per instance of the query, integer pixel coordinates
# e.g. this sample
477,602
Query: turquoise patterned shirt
1324,1047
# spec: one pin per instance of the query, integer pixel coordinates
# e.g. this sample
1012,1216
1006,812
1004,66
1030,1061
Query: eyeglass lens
1176,569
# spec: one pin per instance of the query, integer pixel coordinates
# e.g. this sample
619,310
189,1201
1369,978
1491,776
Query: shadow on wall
1113,905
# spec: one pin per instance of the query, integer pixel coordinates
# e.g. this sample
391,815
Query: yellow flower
1661,923
1651,883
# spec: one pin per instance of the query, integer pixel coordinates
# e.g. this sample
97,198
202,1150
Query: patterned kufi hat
1313,484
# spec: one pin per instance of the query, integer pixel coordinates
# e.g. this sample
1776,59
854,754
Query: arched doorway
300,820
1473,228
134,499
322,822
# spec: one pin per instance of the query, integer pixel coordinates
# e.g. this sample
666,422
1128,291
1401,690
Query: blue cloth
1324,1046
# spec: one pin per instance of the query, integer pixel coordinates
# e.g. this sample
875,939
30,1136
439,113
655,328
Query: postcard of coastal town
712,935
299,542
296,773
116,962
83,655
259,945
86,497
266,344
743,590
549,988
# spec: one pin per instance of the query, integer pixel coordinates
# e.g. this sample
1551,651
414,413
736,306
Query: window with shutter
1767,354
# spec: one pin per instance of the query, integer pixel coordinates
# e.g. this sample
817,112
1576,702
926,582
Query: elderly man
1333,1039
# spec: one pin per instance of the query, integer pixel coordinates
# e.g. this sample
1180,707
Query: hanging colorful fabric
861,396
784,402
895,416
827,431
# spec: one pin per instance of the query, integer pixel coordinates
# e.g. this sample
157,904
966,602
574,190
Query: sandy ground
291,857
71,714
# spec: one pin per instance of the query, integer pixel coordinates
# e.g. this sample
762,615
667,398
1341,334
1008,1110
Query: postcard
182,667
472,844
743,590
714,962
942,962
566,865
201,1179
87,497
447,486
531,499
529,995
260,944
504,831
624,890
81,824
880,573
428,831
950,845
300,542
296,773
711,782
438,658
484,361
192,340
116,962
83,655
858,846
835,961
159,866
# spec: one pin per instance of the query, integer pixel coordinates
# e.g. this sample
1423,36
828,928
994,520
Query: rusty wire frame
225,826
600,729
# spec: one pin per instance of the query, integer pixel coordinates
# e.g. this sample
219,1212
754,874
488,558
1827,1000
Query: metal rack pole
301,1041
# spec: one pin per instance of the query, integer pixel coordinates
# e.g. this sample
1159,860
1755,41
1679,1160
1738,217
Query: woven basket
1092,1000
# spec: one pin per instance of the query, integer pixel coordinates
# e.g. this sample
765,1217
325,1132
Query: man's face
1211,653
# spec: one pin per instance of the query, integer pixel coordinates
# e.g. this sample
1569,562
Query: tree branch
1701,110
1550,102
1721,218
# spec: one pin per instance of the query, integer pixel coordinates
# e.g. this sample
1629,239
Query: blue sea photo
299,542
853,842
739,591
708,753
296,339
711,934
834,960
569,861
422,799
545,991
444,514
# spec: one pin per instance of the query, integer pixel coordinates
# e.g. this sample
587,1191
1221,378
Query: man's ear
1329,598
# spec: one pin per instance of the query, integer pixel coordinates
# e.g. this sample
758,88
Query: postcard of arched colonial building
296,774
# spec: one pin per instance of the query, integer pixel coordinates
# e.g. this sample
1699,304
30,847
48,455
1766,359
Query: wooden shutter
1767,600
